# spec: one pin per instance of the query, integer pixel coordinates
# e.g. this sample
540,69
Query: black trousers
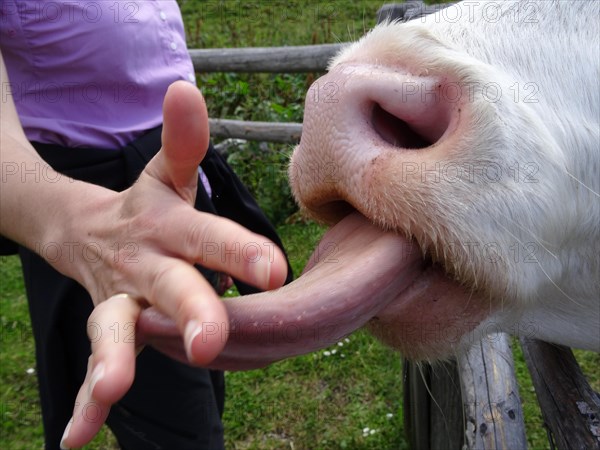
170,405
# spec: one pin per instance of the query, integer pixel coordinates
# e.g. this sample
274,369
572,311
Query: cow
473,132
456,158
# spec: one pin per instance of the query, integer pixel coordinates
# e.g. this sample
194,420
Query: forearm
156,219
39,206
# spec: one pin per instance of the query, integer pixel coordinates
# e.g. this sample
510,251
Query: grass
20,409
315,401
325,400
318,401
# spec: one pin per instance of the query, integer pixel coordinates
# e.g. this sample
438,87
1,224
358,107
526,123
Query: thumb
185,137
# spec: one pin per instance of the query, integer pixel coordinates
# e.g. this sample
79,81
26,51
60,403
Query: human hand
156,216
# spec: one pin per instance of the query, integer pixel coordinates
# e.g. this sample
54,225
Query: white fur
553,46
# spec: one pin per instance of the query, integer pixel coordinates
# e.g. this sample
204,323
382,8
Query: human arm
157,217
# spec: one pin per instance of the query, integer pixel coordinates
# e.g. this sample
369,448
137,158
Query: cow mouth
359,274
404,295
387,271
355,271
428,317
367,270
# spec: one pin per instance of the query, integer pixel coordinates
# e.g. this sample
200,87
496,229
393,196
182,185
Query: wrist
69,240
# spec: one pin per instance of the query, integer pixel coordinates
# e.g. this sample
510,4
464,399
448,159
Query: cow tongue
355,271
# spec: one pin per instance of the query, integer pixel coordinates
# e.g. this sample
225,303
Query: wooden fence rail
288,133
290,59
570,407
304,58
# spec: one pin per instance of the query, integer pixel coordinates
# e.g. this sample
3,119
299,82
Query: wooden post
416,404
570,407
473,403
494,417
447,417
433,413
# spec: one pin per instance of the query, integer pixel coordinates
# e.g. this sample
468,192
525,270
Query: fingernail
97,375
262,273
65,435
192,329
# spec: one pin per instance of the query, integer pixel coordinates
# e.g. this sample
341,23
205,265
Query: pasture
346,396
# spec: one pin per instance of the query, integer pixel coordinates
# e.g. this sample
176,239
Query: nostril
396,131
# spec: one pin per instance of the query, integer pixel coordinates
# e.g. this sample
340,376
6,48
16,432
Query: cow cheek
432,319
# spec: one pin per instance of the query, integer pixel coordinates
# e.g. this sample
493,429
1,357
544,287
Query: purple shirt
91,73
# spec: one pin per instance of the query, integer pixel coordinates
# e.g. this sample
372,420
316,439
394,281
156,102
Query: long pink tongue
356,271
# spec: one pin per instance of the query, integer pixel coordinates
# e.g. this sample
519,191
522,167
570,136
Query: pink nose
358,113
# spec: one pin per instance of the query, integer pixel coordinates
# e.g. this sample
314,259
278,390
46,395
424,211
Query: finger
220,244
185,137
178,290
159,331
111,367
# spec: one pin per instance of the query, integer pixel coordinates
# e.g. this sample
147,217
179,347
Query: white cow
475,132
468,141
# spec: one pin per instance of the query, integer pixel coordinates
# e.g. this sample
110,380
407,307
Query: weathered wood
291,59
288,133
446,412
488,417
433,414
570,407
417,403
494,417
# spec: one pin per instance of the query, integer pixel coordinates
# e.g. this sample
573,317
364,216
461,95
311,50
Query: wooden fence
473,402
294,59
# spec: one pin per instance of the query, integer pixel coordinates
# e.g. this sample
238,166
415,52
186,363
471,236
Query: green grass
315,401
323,400
20,409
319,401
